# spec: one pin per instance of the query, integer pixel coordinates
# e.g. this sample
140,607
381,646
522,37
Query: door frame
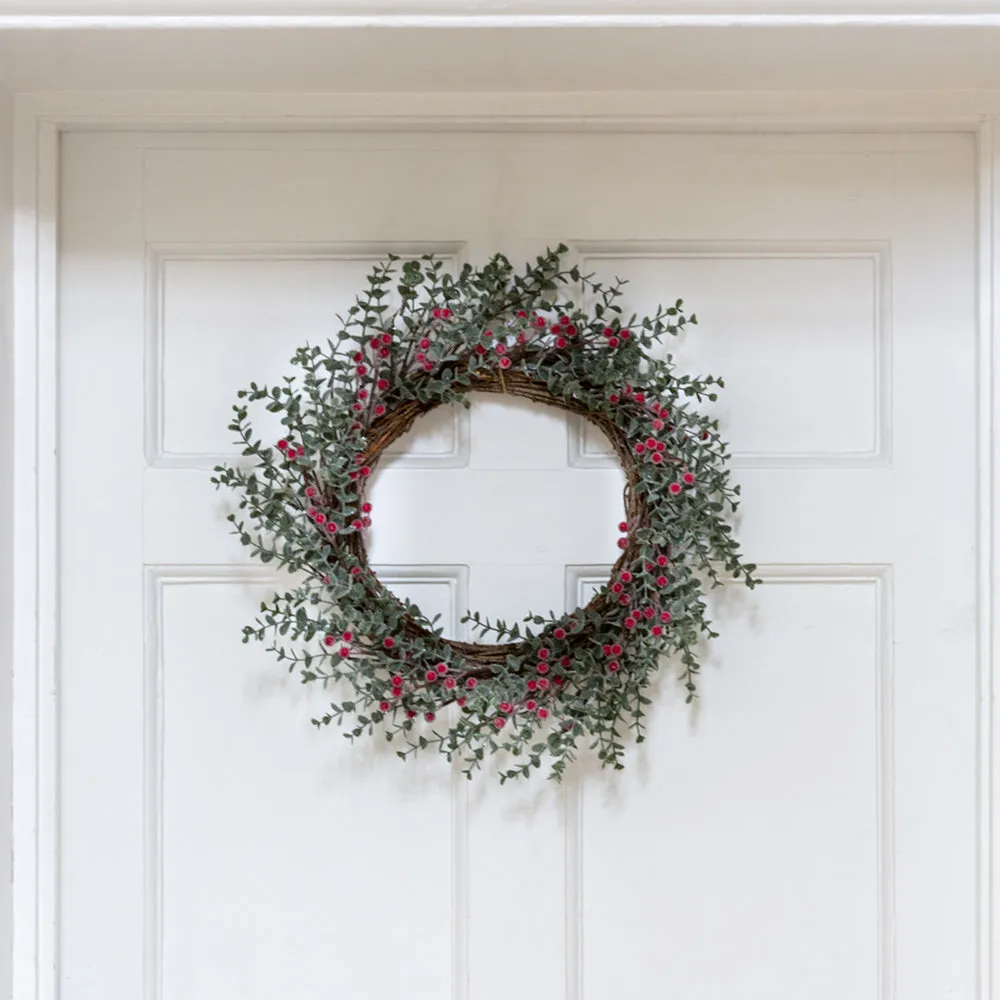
41,121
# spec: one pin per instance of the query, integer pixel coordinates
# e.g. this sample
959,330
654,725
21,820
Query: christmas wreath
551,685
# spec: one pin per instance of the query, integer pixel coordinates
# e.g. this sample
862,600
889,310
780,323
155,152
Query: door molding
493,13
40,122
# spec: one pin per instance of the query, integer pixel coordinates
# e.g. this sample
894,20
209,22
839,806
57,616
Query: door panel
806,830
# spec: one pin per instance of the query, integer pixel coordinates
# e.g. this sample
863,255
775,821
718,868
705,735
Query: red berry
384,706
626,576
616,650
623,525
431,675
543,713
449,682
383,384
386,338
361,370
282,444
675,488
499,722
366,508
460,701
656,457
531,704
543,668
329,640
429,716
344,652
505,362
349,637
689,478
501,348
470,683
661,560
504,706
424,343
543,654
388,642
612,341
442,669
560,342
623,543
397,681
665,616
410,713
661,581
657,630
560,633
310,491
614,666
532,685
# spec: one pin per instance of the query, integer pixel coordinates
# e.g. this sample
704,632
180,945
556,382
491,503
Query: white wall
6,526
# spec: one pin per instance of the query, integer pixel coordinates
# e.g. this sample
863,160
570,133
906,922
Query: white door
805,831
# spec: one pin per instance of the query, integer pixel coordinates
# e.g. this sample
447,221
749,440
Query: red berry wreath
549,685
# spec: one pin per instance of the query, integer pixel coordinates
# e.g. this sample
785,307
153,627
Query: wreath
550,686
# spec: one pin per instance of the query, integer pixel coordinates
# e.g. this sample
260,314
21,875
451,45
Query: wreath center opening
516,518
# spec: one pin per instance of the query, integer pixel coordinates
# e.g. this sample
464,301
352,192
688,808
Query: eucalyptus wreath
547,687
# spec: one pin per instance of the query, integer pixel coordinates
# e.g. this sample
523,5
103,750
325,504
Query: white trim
35,770
988,142
39,122
265,22
824,110
152,14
